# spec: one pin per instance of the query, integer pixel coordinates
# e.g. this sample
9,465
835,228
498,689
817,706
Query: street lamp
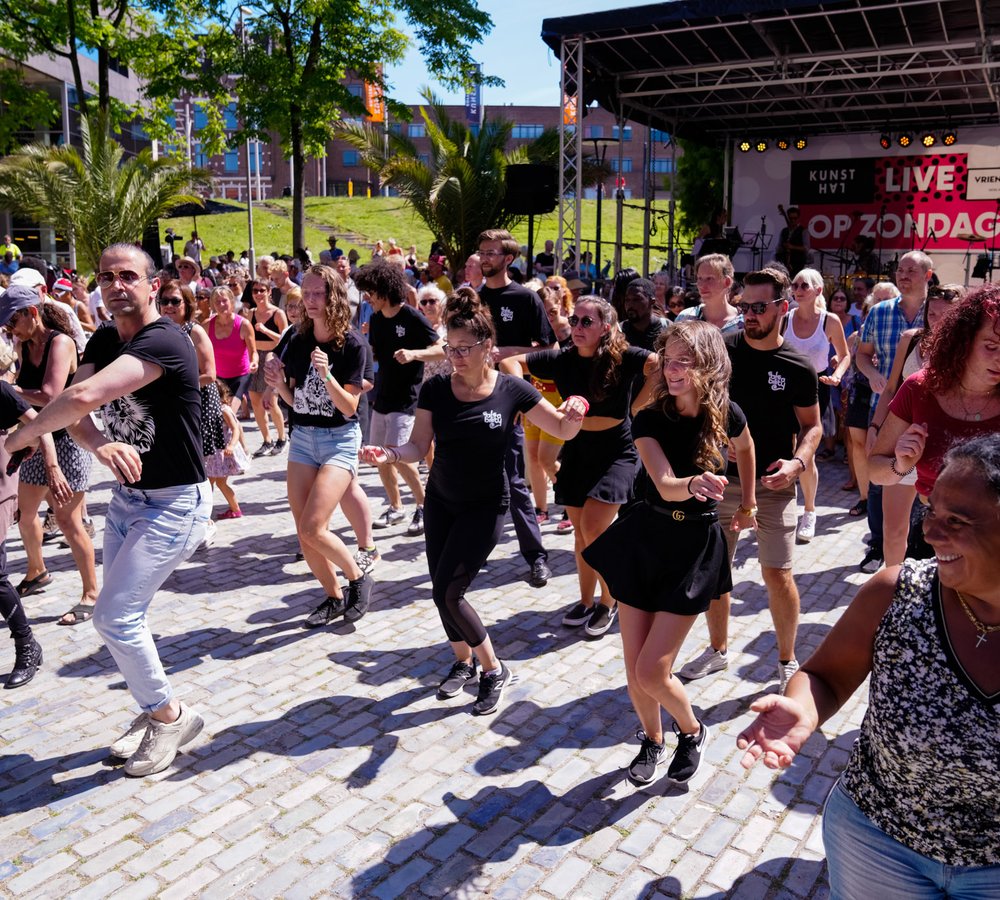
600,153
245,13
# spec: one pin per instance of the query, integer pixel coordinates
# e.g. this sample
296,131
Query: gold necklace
982,629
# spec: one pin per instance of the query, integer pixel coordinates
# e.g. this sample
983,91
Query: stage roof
713,69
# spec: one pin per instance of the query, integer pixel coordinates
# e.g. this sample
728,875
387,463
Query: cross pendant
982,639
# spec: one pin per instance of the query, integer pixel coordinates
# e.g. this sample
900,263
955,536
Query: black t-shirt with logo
768,385
518,316
470,439
162,420
312,404
396,383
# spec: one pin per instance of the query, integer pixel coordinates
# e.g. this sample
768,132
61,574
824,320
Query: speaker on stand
531,189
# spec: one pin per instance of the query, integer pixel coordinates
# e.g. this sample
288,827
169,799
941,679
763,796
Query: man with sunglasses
143,376
778,390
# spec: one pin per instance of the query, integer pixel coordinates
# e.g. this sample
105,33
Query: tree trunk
298,180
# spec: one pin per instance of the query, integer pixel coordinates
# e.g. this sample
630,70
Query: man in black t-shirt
397,333
777,389
142,373
521,326
545,262
641,328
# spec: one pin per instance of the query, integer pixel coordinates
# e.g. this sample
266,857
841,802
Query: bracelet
690,481
798,459
895,471
329,376
747,510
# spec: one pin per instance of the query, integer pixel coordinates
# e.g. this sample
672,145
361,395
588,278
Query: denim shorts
318,447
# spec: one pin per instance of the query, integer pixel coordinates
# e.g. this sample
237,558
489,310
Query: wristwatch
751,511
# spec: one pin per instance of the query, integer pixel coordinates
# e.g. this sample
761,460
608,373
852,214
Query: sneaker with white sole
785,672
390,517
806,530
687,755
601,619
491,688
129,742
162,741
578,615
642,769
710,660
416,525
366,558
458,677
209,539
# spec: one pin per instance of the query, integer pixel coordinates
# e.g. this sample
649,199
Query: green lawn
390,217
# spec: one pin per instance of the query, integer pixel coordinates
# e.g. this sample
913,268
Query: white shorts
391,429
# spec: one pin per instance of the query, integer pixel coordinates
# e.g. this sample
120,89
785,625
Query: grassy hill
359,222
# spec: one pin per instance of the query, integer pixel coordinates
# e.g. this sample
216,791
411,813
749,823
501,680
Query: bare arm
704,486
895,378
835,332
61,355
246,332
865,358
563,423
428,354
782,472
746,466
651,369
898,448
206,355
412,451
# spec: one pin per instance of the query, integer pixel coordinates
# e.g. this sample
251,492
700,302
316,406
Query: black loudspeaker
151,243
532,189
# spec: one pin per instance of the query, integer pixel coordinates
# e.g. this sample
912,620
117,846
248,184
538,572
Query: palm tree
459,190
93,197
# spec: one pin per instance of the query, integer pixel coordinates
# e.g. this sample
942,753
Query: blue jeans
865,862
147,534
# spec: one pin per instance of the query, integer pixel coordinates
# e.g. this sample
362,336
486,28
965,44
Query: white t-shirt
193,249
95,302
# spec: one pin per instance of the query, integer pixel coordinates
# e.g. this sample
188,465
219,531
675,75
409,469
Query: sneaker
601,619
872,560
264,449
278,448
209,539
541,516
540,573
50,528
366,557
88,526
687,755
359,596
491,688
390,517
786,671
643,768
160,743
578,615
416,525
807,527
710,660
129,742
461,674
331,608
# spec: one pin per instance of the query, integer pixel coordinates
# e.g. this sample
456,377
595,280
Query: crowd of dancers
666,433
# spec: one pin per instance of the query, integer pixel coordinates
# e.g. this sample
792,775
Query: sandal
33,585
82,612
859,509
564,527
232,514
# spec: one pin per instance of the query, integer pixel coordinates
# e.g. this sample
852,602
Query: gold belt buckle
678,515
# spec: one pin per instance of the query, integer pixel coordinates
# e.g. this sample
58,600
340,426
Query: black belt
680,515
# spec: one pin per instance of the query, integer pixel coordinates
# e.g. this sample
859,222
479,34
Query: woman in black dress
665,559
467,493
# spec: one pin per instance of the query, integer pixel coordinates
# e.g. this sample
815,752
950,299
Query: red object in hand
583,400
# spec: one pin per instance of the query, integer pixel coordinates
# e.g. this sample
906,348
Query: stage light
801,142
928,139
782,143
904,139
949,138
744,146
885,141
760,146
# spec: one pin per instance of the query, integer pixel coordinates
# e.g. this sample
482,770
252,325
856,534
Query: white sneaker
209,537
807,528
710,660
390,517
161,742
785,672
129,742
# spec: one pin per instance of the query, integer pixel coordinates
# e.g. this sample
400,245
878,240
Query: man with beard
641,328
777,389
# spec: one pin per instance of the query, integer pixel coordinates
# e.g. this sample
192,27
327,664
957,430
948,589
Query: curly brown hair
610,350
952,341
338,310
711,373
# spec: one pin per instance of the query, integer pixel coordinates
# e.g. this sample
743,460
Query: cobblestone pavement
327,766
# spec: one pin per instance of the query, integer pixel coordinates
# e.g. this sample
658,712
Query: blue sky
513,51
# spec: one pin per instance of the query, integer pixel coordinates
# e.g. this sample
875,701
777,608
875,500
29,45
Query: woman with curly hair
953,399
683,439
321,378
598,466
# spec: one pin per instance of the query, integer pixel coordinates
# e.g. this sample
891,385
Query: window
356,89
417,130
626,132
232,123
526,132
663,166
200,119
232,161
626,164
595,131
200,159
659,137
351,158
396,127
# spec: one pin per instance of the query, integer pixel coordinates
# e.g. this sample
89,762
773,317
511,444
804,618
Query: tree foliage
94,197
698,186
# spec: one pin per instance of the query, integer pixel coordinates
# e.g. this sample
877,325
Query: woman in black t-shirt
666,559
321,378
468,493
598,466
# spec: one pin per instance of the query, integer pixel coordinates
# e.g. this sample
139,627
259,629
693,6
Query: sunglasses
683,364
170,301
758,309
800,286
461,351
260,290
428,302
585,321
125,276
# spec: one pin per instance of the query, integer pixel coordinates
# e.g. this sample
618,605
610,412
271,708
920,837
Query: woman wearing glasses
598,466
269,323
468,493
811,330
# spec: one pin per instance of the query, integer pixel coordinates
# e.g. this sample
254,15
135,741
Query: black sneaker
331,608
687,756
359,595
540,573
416,525
643,767
491,689
263,450
872,561
578,615
461,674
278,447
601,619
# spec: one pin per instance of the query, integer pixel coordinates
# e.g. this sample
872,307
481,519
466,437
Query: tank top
232,359
31,377
914,361
269,324
815,348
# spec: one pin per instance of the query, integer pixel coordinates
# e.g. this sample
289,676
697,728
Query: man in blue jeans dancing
142,374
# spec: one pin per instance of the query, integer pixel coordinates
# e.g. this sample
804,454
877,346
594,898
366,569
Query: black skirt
600,465
656,563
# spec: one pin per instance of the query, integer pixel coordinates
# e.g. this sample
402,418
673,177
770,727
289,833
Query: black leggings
459,541
10,603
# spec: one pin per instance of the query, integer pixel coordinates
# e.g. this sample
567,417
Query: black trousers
522,507
10,603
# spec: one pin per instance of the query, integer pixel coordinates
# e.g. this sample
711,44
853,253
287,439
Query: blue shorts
318,447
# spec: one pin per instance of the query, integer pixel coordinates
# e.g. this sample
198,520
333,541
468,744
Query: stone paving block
99,888
111,857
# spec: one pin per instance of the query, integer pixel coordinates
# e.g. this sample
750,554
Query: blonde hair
884,290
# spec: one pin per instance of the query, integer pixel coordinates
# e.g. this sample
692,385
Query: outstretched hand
777,734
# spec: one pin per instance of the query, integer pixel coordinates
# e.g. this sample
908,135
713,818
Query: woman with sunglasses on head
683,438
269,323
468,493
599,465
233,343
810,330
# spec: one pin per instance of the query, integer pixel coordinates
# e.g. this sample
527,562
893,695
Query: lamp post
253,262
600,153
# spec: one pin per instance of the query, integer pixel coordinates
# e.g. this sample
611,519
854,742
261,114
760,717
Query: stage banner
374,101
474,101
899,202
